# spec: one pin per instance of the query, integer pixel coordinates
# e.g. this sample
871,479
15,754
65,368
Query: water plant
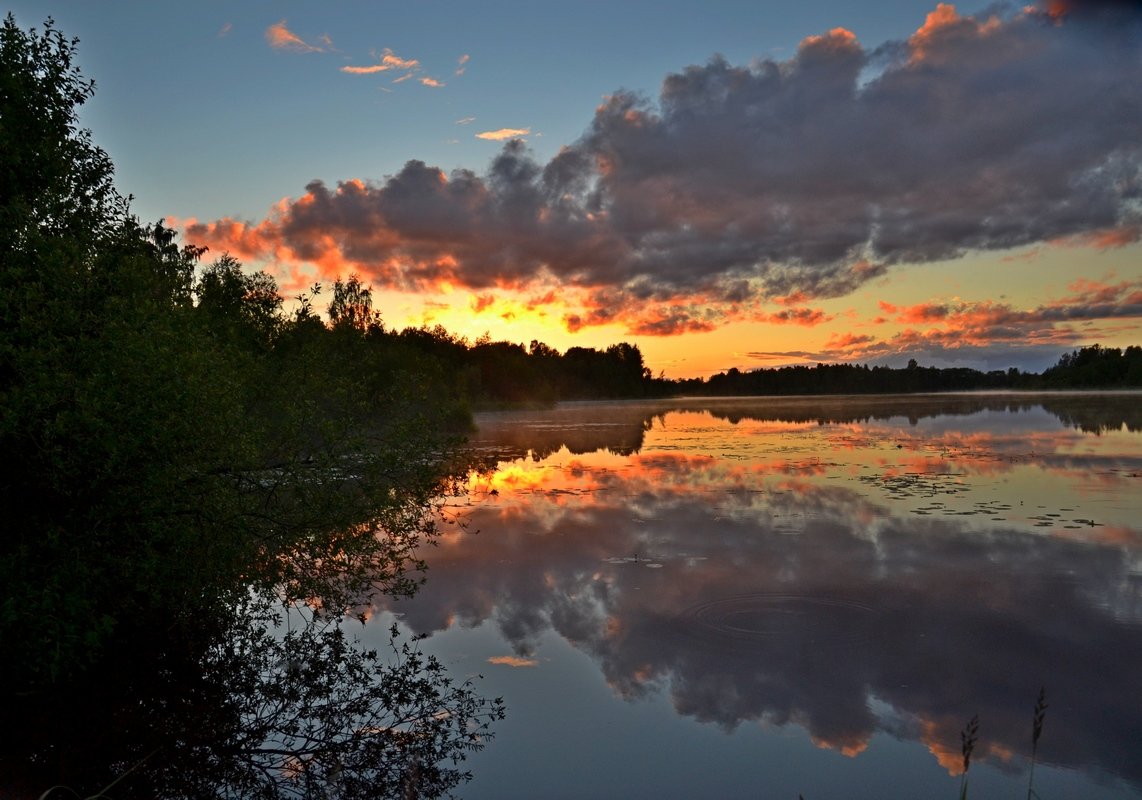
1036,732
968,737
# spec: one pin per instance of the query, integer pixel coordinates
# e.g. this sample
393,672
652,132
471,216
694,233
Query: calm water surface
761,598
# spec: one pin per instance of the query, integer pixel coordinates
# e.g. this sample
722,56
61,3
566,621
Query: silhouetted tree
174,448
352,305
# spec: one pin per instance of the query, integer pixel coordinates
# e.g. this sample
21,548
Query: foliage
53,180
322,716
1097,366
175,445
352,305
495,373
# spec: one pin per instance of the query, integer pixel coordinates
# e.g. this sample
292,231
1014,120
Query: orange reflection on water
942,738
1049,486
513,661
851,749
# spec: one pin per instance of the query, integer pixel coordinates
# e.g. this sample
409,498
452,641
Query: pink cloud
282,38
389,61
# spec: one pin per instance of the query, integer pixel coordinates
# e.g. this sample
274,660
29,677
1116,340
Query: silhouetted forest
487,373
1093,367
492,373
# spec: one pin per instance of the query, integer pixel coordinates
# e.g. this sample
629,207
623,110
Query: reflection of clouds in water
933,621
786,589
514,661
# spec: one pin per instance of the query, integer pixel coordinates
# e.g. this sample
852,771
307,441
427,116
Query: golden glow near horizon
1026,280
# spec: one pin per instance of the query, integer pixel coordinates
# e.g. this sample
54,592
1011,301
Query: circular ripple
806,619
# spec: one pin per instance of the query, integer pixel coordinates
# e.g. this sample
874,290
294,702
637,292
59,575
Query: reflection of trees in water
268,704
621,427
322,716
580,427
1098,413
816,602
212,700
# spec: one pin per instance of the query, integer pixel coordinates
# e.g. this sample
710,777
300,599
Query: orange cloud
962,324
837,39
481,302
791,299
850,747
847,340
1093,291
282,38
944,16
431,82
808,317
1103,238
389,61
945,21
923,313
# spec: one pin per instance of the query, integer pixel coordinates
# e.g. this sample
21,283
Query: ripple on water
806,620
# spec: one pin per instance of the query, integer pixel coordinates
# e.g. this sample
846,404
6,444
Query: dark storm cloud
808,175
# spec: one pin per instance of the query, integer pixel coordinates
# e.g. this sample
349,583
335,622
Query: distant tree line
487,373
1093,367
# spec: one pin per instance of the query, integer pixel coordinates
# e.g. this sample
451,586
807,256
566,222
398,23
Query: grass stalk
1036,732
968,737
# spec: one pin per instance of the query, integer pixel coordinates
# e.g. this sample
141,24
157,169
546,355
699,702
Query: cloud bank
980,334
807,176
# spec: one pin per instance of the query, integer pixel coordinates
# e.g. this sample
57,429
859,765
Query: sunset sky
725,184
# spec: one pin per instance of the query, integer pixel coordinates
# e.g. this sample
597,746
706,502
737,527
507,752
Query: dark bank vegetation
1093,367
491,374
197,487
487,374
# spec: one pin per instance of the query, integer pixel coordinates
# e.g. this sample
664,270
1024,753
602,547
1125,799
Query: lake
758,597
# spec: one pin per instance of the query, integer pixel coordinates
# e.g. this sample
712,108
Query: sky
725,184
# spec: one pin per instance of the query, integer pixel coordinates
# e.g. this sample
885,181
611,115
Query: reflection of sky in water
796,600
